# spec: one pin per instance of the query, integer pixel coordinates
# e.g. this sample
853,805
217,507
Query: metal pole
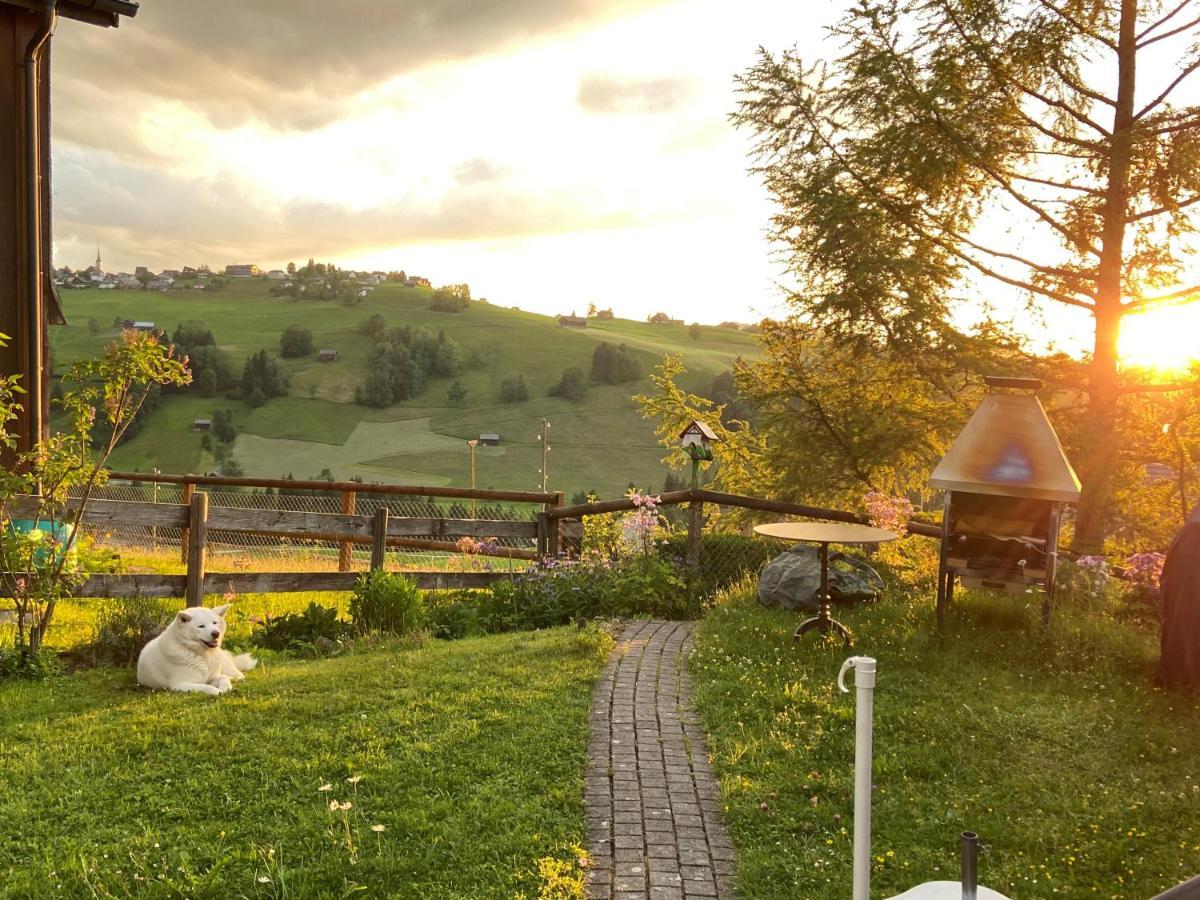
471,444
970,876
154,499
545,436
864,683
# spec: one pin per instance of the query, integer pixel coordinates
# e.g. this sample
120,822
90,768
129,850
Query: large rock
793,579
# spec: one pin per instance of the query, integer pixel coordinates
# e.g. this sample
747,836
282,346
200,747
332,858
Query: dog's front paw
223,684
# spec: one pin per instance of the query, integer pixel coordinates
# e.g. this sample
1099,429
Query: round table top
826,532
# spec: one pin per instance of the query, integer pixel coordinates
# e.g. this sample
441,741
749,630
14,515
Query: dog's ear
184,617
221,610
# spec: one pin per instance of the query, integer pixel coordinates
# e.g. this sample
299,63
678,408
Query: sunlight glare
1166,339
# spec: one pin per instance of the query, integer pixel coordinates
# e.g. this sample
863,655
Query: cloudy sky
551,153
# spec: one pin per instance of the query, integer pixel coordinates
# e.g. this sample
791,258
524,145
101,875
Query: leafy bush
296,341
124,626
19,662
388,603
513,389
724,558
560,593
445,301
317,630
262,379
572,385
615,364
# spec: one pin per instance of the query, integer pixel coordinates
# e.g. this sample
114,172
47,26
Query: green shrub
22,662
317,630
387,603
725,559
124,626
560,593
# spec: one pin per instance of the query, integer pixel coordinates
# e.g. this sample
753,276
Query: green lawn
1081,779
600,443
462,761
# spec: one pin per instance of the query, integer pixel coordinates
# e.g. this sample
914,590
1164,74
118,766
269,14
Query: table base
823,623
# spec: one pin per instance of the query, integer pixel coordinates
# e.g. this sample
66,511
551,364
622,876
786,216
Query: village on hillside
203,278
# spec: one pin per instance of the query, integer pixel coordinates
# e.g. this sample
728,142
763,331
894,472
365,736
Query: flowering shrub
559,592
641,524
1144,570
38,546
892,513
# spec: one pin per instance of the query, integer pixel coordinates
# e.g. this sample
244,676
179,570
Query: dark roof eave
106,13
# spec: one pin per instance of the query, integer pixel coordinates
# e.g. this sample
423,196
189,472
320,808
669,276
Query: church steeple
99,267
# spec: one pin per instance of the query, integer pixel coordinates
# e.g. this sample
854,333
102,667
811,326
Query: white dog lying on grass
188,655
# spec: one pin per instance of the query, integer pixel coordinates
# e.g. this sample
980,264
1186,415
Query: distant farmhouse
489,439
242,271
417,281
327,356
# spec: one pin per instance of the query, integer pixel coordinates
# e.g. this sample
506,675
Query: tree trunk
1102,453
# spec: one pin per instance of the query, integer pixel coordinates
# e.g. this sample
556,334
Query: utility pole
472,444
544,439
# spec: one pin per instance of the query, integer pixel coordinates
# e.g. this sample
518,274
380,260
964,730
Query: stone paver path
653,814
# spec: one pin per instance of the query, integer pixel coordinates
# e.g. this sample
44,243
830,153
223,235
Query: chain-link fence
160,549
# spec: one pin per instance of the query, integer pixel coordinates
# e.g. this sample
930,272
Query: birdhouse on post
698,434
697,439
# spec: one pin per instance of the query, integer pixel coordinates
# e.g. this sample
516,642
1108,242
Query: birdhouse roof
698,427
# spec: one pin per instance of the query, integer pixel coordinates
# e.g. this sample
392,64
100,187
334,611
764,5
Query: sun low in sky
1165,340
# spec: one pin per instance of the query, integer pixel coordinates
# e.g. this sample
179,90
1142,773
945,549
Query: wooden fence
348,492
380,531
556,516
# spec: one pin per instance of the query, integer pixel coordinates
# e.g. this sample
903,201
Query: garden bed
462,762
1079,776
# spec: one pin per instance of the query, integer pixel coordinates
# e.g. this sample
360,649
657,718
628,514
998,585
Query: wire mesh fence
161,549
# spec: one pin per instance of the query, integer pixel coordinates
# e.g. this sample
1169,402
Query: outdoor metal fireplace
1007,481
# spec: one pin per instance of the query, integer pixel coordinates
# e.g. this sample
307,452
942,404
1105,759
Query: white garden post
864,683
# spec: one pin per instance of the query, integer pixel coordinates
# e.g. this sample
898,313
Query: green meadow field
600,443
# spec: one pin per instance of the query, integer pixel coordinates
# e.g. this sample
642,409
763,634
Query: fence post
695,526
543,529
189,489
196,548
553,529
379,538
346,548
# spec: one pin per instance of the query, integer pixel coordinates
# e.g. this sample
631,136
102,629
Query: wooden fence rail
198,519
551,531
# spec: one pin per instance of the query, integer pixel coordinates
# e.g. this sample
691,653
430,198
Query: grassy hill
599,443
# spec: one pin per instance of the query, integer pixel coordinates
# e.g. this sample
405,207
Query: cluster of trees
262,379
571,386
212,369
295,342
453,298
219,441
403,359
513,389
615,364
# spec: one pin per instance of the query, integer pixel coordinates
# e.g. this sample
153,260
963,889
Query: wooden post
346,547
189,489
379,538
197,545
543,529
695,527
553,531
